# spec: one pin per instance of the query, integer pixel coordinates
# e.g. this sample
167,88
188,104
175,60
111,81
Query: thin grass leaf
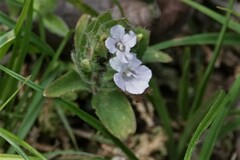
15,145
24,14
216,127
21,78
55,58
41,45
5,39
4,49
119,7
184,84
34,108
84,7
19,50
206,121
53,154
228,10
202,86
197,39
192,123
67,126
160,106
212,135
56,25
13,95
17,140
15,157
214,15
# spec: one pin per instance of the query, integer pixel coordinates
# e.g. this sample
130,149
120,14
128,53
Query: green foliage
142,43
56,25
15,141
62,87
115,112
5,41
204,122
84,7
154,56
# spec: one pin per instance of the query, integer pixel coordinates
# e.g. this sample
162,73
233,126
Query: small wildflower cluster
131,76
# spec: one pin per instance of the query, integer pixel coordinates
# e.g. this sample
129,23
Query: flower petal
136,87
128,56
143,73
134,62
129,39
110,44
117,32
116,64
119,81
121,56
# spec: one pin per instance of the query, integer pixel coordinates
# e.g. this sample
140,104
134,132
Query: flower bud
86,65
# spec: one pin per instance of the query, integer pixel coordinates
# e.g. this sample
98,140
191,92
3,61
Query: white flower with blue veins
132,77
120,43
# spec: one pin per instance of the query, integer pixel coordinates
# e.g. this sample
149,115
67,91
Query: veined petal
110,44
117,32
128,56
143,73
136,87
119,81
116,64
121,56
134,62
129,39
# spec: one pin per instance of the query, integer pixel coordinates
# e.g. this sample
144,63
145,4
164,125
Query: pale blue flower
120,43
131,77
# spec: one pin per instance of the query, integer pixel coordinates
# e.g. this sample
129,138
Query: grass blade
209,117
184,84
160,106
202,86
14,157
67,126
9,136
13,144
197,39
10,98
217,17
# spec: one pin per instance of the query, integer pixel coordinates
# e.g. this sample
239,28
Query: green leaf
116,113
6,38
220,102
14,157
84,7
24,14
142,43
197,39
79,40
56,25
184,84
67,84
153,56
214,15
11,138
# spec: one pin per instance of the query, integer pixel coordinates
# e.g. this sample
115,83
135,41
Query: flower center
129,74
120,46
